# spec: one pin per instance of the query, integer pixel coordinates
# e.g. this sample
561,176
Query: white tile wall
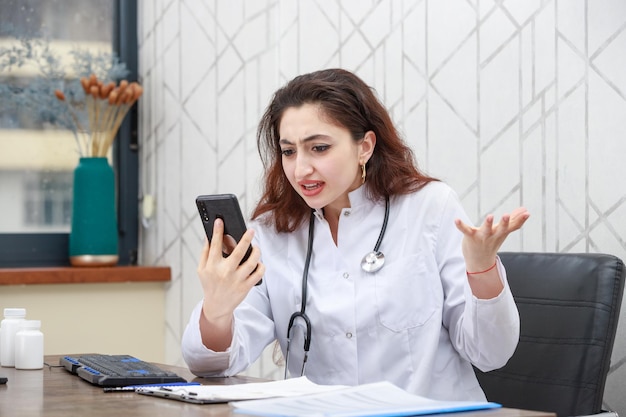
511,102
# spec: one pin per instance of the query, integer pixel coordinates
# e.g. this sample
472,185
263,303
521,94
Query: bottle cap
14,312
30,325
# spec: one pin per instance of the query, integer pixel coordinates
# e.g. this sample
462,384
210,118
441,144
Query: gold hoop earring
363,173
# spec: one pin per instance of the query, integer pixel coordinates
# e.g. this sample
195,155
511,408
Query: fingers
488,224
519,217
242,247
257,273
204,255
486,227
217,238
515,220
464,228
503,225
253,268
507,224
212,252
519,211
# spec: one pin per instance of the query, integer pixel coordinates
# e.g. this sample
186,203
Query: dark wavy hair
345,100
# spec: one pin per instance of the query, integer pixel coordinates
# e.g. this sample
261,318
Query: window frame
51,249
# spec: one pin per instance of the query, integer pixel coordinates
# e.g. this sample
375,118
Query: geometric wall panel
514,102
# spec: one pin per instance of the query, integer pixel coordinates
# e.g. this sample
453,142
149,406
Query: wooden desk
55,392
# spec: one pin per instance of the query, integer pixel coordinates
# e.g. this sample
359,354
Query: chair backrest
569,307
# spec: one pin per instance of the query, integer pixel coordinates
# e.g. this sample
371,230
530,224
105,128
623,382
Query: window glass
39,40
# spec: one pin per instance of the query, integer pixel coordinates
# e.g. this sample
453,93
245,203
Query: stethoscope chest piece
373,261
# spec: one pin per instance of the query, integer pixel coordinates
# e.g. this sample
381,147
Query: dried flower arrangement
107,105
79,94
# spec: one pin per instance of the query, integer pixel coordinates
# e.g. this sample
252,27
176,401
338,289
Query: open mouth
312,186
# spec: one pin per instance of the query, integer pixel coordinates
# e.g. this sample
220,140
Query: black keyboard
117,370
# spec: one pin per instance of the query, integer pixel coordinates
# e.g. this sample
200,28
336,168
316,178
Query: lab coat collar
357,199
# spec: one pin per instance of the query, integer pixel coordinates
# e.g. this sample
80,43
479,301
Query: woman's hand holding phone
225,283
231,270
228,267
226,208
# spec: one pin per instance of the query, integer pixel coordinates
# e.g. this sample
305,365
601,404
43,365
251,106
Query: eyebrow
305,140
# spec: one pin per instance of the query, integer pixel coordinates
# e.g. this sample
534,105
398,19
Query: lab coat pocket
406,295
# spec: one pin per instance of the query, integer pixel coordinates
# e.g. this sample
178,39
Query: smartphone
225,207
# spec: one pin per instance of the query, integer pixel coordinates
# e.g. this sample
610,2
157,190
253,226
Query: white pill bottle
13,318
29,345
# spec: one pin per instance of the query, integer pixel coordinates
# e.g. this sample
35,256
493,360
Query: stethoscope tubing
383,229
302,312
305,276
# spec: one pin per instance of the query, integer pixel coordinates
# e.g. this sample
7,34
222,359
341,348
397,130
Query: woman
339,179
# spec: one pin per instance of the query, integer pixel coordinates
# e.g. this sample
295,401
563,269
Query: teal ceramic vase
94,235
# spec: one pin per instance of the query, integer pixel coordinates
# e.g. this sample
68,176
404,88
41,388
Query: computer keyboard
117,370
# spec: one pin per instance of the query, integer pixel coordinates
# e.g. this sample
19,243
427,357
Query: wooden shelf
77,275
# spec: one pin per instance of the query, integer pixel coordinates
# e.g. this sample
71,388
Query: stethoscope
371,262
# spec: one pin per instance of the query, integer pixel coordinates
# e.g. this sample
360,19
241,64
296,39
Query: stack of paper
299,397
377,399
208,394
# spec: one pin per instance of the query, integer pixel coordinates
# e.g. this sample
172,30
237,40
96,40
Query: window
47,201
37,158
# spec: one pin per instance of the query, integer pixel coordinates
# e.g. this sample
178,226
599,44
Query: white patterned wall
512,102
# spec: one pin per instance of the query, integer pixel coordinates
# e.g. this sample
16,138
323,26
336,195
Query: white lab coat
414,323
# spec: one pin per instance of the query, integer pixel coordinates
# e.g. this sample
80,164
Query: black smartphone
225,207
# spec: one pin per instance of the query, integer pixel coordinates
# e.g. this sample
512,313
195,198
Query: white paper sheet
379,399
206,394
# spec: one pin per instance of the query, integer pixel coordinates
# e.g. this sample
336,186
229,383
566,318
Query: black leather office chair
569,307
